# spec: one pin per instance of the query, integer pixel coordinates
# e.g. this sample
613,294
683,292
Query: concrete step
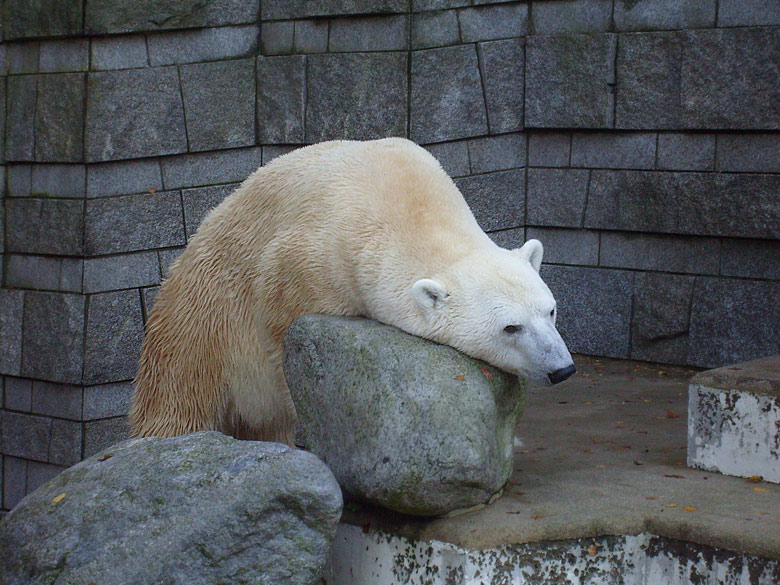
600,495
734,419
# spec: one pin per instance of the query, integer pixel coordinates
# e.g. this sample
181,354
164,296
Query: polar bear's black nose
562,374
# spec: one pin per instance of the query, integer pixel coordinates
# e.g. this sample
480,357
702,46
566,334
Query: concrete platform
600,494
734,419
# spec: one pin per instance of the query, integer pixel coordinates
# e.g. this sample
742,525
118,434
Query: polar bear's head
496,307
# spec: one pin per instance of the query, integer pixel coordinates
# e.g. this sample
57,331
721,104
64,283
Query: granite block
58,181
18,394
660,252
124,178
549,149
101,434
41,18
134,222
283,9
567,81
199,201
25,435
368,33
748,13
560,18
563,246
734,205
277,38
453,157
733,321
612,150
44,272
22,93
730,79
435,29
208,44
64,55
120,272
219,104
446,107
23,57
19,180
748,153
53,320
210,168
497,153
751,259
11,323
496,199
57,400
633,15
122,52
59,126
107,400
156,126
281,99
311,36
114,334
65,446
594,308
356,96
686,151
14,480
501,66
661,319
119,16
499,21
556,197
648,90
45,226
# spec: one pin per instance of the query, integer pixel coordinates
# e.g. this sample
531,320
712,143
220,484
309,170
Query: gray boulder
402,422
190,510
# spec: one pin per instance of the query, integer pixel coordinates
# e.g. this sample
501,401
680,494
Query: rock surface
197,509
402,422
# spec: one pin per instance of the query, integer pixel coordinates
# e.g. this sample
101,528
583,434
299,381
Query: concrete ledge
599,494
734,420
368,558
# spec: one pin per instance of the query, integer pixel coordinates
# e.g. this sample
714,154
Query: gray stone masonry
567,81
446,107
664,14
356,96
748,13
653,183
552,17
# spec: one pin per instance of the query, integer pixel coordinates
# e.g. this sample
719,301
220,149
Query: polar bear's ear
532,251
429,294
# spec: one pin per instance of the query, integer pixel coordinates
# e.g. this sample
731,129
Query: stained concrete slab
734,420
603,454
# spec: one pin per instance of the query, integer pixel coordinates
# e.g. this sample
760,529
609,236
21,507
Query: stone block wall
639,140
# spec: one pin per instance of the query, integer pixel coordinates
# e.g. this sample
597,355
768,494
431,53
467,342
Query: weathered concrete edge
368,557
741,420
616,524
761,376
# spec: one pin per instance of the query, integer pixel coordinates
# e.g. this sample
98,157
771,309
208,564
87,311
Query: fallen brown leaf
755,478
690,508
460,378
59,498
104,457
593,550
487,373
674,475
670,414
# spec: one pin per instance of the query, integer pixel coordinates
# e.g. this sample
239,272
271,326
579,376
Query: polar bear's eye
510,329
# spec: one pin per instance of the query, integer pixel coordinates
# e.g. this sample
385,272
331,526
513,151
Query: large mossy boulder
191,510
402,422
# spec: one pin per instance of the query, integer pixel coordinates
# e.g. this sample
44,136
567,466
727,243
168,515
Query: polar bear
373,228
